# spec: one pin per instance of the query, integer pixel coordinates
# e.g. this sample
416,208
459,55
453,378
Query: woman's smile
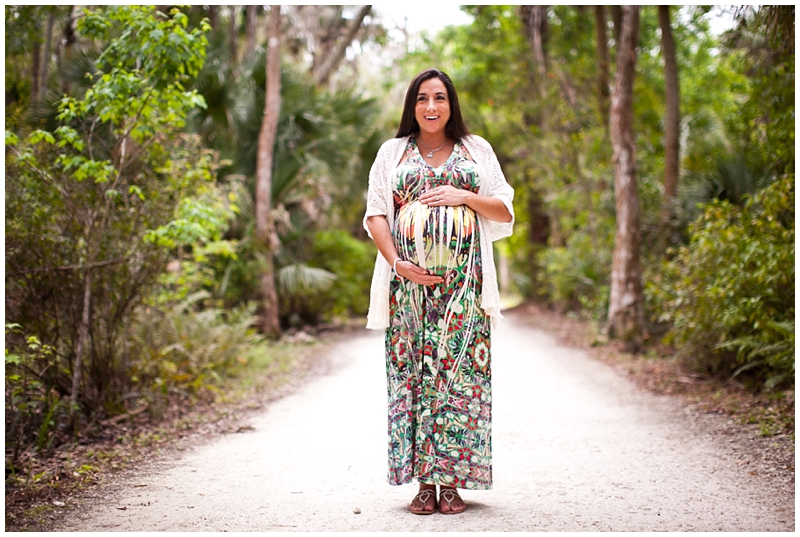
432,110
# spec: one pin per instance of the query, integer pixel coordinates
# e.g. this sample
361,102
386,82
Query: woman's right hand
416,274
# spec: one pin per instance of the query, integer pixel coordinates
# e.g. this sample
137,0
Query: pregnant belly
434,237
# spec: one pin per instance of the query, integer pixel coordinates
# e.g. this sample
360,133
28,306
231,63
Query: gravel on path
576,448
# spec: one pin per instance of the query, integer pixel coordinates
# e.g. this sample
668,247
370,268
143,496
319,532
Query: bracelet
394,266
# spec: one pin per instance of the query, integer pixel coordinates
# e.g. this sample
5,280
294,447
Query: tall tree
66,49
603,63
616,17
233,34
626,310
534,19
251,15
673,119
334,57
534,23
35,68
212,16
266,148
45,62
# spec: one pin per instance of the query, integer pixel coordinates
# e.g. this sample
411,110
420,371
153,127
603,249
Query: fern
773,347
191,346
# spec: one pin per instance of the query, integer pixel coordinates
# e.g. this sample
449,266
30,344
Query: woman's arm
486,206
382,235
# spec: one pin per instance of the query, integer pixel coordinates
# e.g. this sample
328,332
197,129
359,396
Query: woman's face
433,106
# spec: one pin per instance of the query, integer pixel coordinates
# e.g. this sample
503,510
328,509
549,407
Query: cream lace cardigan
380,202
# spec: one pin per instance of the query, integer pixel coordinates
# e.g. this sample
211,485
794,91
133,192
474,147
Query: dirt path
576,447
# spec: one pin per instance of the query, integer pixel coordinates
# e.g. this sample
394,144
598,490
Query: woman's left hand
445,196
450,196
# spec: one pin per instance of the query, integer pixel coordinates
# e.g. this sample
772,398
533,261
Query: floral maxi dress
438,340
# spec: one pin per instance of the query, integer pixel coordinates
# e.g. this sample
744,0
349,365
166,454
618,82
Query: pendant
430,154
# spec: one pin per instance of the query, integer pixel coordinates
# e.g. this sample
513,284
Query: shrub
729,294
577,276
33,407
352,261
83,197
312,295
189,347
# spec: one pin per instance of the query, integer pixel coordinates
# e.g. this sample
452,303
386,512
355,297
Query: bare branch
322,75
87,266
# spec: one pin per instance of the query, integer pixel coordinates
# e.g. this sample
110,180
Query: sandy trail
576,448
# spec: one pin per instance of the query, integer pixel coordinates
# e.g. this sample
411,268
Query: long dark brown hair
455,128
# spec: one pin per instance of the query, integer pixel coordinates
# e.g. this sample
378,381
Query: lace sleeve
500,188
496,185
377,204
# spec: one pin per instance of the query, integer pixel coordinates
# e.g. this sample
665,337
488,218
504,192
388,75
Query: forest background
184,184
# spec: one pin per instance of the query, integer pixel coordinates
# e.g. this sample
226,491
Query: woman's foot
450,503
424,503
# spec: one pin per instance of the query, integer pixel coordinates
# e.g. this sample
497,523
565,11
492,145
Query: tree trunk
212,16
251,31
48,39
539,222
329,64
625,311
266,148
603,63
616,16
673,119
68,41
534,19
232,36
81,348
539,39
35,68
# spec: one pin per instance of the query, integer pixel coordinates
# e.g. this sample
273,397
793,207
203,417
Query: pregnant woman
437,199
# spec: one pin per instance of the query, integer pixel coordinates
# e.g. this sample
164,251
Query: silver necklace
432,151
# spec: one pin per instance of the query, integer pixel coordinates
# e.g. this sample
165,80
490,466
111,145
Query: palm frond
298,277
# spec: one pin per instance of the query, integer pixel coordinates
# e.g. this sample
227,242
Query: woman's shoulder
477,142
478,147
393,143
389,153
390,148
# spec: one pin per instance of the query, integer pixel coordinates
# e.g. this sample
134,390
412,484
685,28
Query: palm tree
322,153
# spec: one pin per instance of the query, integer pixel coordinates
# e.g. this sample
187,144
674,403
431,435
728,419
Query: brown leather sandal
424,496
448,495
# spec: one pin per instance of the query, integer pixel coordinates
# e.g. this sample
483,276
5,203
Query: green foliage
189,347
573,278
729,294
82,196
765,121
733,181
159,45
32,407
352,261
772,348
326,143
737,135
335,283
550,141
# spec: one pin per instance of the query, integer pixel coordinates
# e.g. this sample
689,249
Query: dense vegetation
719,269
133,269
